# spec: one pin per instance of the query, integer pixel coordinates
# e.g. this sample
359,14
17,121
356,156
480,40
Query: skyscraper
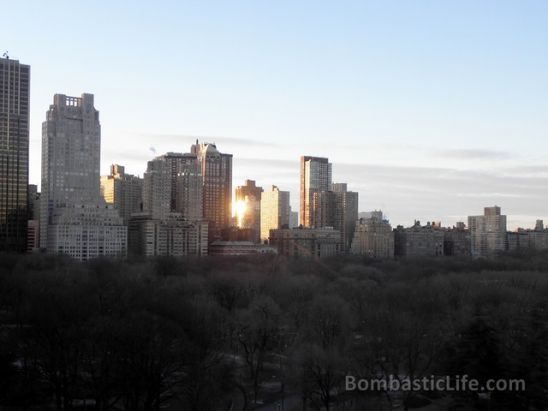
315,177
488,232
337,208
173,183
216,169
123,191
275,211
33,229
74,218
171,222
248,206
14,154
345,214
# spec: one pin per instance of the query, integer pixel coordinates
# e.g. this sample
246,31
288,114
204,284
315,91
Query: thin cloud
267,162
475,154
209,139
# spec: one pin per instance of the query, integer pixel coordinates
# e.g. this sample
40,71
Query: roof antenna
5,55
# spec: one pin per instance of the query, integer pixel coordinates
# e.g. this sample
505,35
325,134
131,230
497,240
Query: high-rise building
216,170
248,207
488,232
173,183
346,213
315,177
74,218
337,208
275,211
123,191
171,223
14,154
33,227
293,219
373,237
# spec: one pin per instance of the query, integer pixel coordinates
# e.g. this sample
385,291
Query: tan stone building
374,238
275,211
122,191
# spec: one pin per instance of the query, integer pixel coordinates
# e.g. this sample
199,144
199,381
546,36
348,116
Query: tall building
33,227
171,223
123,191
275,211
293,219
488,232
315,177
346,213
74,218
173,183
14,154
337,208
248,207
216,170
373,237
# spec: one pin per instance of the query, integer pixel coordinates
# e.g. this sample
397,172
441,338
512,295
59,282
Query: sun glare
241,208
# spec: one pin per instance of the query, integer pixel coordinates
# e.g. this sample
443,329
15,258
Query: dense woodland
268,333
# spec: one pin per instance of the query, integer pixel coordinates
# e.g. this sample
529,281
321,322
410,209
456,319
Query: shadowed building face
315,177
14,154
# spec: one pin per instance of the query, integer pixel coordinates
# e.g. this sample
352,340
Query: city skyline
418,131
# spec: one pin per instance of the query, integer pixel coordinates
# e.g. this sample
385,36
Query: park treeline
234,333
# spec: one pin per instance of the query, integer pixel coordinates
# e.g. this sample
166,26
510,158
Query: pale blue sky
430,109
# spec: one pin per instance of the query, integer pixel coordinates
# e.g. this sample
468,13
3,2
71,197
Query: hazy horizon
429,110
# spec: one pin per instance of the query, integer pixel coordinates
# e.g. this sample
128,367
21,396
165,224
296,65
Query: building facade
173,184
216,170
419,241
248,206
173,236
307,242
122,191
14,154
457,241
315,176
374,238
275,211
87,232
488,233
74,219
337,208
535,239
33,226
293,219
234,248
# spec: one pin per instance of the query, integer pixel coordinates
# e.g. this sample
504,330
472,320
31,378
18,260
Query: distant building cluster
184,204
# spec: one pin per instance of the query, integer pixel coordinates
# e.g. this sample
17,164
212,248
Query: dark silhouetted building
14,154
